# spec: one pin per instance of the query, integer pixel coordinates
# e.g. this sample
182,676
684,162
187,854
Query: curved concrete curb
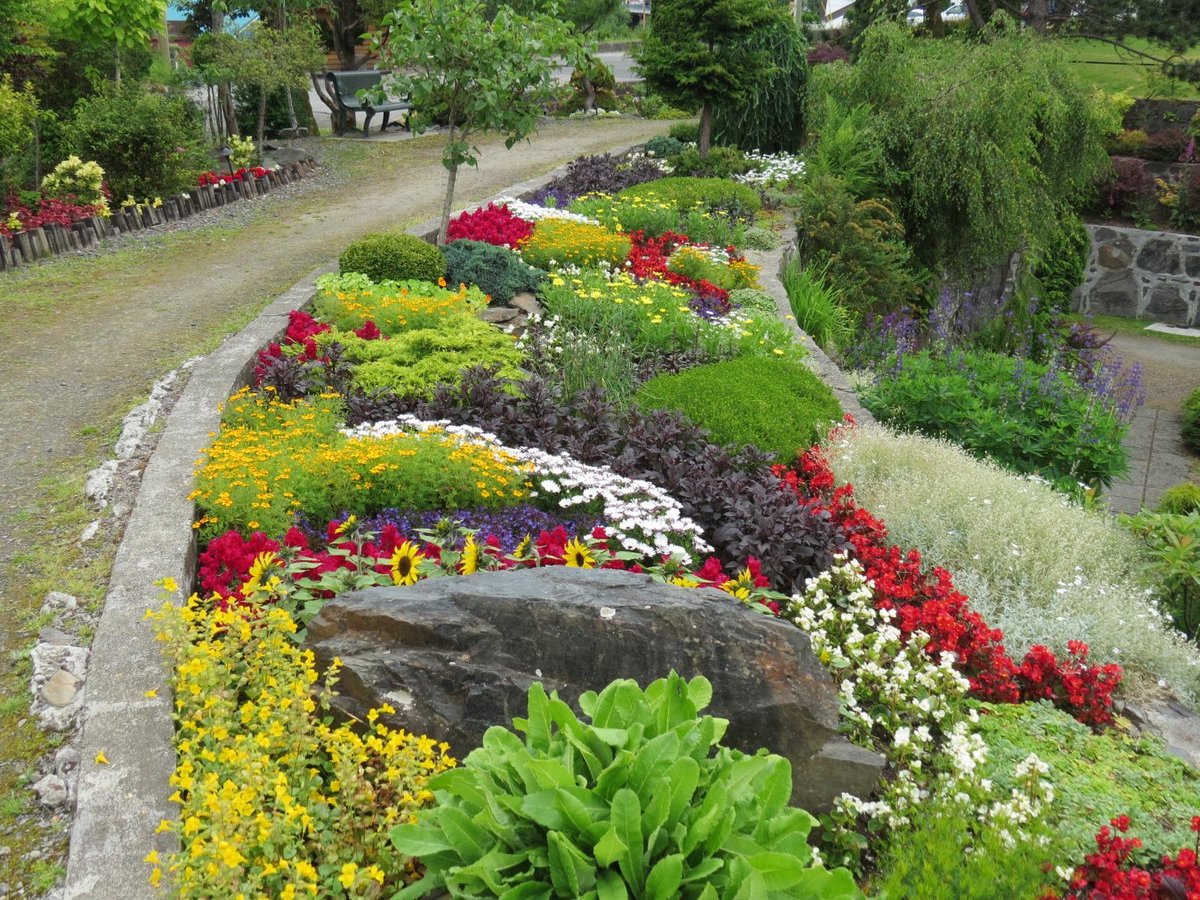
128,712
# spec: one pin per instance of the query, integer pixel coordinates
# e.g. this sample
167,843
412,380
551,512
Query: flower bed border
50,240
127,714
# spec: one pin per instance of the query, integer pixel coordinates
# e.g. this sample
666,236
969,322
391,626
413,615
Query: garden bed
708,513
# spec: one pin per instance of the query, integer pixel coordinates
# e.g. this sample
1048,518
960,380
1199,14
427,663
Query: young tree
485,76
115,24
695,53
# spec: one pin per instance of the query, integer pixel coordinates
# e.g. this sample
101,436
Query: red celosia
926,600
1111,873
302,329
492,224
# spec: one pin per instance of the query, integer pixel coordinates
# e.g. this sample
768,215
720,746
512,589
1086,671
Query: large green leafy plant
642,802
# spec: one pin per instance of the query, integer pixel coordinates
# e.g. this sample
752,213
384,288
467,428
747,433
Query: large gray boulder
457,655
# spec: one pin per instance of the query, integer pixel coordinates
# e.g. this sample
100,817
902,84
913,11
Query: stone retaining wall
1137,274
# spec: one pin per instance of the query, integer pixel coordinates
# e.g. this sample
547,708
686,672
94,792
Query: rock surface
455,656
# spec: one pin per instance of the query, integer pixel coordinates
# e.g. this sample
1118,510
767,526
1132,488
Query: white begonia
640,516
533,213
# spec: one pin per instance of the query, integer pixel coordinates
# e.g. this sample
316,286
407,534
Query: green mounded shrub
497,271
1180,499
1191,420
149,144
863,243
663,145
685,132
393,256
1122,776
777,405
754,299
1171,557
1017,412
1039,567
642,801
721,162
687,193
412,363
757,238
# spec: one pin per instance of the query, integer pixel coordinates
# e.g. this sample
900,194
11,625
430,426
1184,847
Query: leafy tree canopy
699,53
482,75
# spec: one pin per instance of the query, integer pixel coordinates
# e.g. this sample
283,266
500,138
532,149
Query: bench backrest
348,84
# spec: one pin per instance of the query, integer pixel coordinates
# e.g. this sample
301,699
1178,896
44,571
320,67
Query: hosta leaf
703,871
571,871
609,849
586,813
652,760
664,879
537,726
700,691
682,778
543,807
627,820
465,836
753,887
489,870
609,886
619,705
779,871
822,884
419,840
531,890
776,788
676,705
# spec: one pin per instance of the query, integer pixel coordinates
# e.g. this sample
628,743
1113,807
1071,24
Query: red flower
492,224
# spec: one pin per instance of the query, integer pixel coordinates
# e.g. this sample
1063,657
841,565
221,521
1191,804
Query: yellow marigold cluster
394,307
273,458
275,802
560,242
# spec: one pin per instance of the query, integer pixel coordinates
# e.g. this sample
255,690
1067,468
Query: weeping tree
701,54
484,76
770,117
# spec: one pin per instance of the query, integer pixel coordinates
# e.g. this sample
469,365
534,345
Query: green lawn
1114,70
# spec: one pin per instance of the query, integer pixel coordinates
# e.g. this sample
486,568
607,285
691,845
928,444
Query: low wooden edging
50,240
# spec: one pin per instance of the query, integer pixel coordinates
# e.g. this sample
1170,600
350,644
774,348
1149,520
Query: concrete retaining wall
1137,274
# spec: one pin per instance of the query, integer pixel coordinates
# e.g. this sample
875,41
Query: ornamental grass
273,799
348,302
274,458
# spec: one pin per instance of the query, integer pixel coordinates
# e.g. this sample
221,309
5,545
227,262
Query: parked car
916,15
954,13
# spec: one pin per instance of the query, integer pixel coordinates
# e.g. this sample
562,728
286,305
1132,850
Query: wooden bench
344,88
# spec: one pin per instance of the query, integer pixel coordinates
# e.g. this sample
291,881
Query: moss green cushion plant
777,405
394,256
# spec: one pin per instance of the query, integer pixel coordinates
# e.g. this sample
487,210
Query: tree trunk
337,119
934,23
705,129
292,121
226,116
165,46
262,119
448,204
977,20
1039,14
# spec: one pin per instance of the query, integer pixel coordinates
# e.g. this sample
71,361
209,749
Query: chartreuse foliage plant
349,301
642,801
415,362
775,404
273,458
274,800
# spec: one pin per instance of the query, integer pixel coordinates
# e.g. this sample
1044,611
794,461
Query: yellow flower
349,871
406,564
168,584
469,564
101,759
151,694
578,555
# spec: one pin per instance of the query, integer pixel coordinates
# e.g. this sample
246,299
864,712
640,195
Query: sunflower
577,555
469,563
346,526
406,564
523,548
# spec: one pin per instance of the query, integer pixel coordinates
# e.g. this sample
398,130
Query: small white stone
607,612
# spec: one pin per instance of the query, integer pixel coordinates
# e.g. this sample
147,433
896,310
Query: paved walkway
1158,459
